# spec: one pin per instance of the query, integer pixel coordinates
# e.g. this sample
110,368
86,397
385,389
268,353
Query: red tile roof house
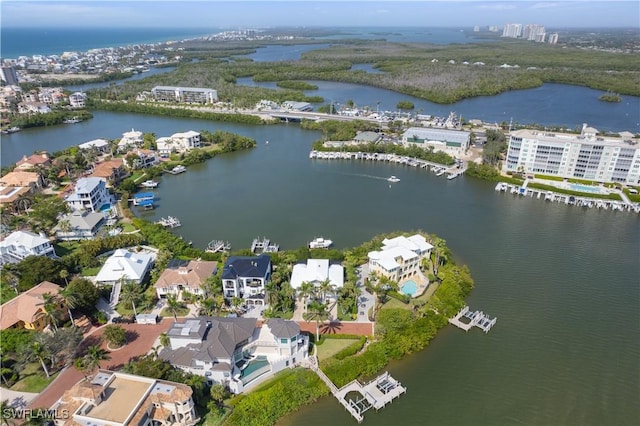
182,275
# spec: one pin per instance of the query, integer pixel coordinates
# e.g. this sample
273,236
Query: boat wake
362,175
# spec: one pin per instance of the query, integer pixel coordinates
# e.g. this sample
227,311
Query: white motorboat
149,183
320,243
178,169
393,179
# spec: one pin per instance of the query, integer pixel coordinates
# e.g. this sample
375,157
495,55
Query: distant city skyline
269,13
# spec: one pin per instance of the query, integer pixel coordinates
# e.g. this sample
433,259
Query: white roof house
416,243
101,144
90,194
400,257
123,264
316,271
131,139
22,244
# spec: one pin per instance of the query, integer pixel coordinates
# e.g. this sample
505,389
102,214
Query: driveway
141,338
366,300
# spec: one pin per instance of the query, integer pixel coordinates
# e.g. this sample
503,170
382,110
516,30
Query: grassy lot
395,303
65,247
127,227
90,272
33,379
181,312
330,347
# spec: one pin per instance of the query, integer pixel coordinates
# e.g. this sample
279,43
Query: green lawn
330,347
90,272
395,303
127,227
32,379
181,312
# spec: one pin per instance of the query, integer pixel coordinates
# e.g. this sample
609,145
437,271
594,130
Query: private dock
263,245
143,198
476,318
374,394
218,246
570,200
169,222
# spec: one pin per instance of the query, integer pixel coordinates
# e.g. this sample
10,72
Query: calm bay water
562,281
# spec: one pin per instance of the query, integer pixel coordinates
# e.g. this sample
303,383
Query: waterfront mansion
235,351
245,277
399,258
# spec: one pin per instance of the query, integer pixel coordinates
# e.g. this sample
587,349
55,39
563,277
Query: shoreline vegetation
399,332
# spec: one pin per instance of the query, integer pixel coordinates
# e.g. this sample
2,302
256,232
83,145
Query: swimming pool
409,288
584,188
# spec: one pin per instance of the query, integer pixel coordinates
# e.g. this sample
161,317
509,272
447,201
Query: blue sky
269,13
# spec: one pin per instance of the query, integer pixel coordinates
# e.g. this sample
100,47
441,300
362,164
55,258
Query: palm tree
131,294
306,291
236,302
174,305
64,274
316,311
36,351
208,307
326,288
50,304
92,359
70,299
164,340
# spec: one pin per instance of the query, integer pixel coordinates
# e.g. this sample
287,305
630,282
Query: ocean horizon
27,41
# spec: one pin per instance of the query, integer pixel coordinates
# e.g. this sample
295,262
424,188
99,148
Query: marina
375,394
263,245
571,200
476,318
218,246
169,222
439,169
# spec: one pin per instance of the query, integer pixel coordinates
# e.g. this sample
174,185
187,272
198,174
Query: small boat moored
320,243
149,184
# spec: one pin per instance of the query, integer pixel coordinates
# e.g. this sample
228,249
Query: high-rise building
512,30
584,156
553,38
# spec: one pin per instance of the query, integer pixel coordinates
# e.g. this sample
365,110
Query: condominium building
185,94
113,398
585,156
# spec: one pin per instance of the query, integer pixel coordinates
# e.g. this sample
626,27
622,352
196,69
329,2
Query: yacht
320,243
149,184
393,179
178,169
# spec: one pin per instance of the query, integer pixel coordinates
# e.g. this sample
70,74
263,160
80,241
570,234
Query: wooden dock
374,394
476,318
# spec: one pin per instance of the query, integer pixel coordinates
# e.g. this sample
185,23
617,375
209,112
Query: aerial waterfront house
400,257
125,265
77,99
102,145
112,170
184,94
142,158
130,140
245,277
178,142
235,351
90,194
118,399
34,160
18,178
26,310
184,275
583,156
449,141
21,244
317,271
80,225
